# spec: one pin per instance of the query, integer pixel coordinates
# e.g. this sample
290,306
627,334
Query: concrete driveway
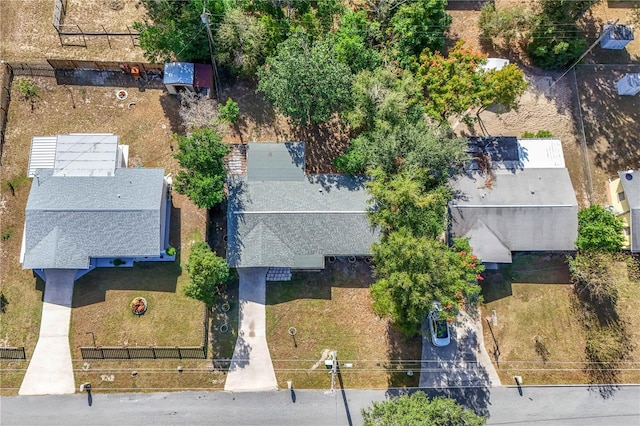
251,367
464,363
50,370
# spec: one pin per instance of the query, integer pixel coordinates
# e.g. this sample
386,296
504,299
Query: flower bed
139,306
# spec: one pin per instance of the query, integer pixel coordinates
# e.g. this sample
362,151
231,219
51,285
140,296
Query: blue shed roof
179,73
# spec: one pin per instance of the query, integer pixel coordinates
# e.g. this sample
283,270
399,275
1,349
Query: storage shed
629,85
188,76
617,37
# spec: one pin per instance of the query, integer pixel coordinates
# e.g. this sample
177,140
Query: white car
438,328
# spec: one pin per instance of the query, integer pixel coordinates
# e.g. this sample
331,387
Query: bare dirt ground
259,122
27,32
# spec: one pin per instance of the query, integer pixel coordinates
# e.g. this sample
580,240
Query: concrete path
251,368
465,362
50,370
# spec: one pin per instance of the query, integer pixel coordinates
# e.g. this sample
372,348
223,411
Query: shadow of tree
611,121
171,107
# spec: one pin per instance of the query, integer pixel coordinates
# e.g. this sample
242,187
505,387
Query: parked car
438,328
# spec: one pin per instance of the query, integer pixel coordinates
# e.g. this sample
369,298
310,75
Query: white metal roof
89,154
540,153
43,153
495,64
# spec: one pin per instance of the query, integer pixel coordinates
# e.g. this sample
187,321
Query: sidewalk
50,370
251,367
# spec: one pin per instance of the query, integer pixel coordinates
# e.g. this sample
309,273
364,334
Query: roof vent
628,176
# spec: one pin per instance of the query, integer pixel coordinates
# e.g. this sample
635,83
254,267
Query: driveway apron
50,370
251,367
463,363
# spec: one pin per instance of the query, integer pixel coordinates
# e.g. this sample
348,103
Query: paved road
464,362
251,367
50,370
571,405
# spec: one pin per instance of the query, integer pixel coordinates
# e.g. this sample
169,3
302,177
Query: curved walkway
251,367
50,370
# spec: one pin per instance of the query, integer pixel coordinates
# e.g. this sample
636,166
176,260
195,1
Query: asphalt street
561,405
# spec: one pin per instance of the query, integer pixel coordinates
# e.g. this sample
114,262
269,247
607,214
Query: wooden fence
6,77
12,354
71,64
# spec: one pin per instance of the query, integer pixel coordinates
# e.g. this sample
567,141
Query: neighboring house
516,195
624,197
278,216
87,210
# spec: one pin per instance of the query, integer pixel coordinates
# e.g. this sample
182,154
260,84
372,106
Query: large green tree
305,80
352,45
384,95
241,43
418,25
408,200
174,29
418,409
599,229
455,85
202,174
207,272
413,272
416,143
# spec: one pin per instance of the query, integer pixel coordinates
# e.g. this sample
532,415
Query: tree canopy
175,30
206,272
305,80
455,84
418,409
413,272
406,144
418,25
599,229
408,200
202,174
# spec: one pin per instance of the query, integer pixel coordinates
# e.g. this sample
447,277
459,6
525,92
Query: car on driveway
439,328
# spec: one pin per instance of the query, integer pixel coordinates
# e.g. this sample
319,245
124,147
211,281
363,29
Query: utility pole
205,20
333,363
604,33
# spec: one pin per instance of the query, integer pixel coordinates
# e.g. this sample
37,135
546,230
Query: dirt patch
27,32
260,122
611,122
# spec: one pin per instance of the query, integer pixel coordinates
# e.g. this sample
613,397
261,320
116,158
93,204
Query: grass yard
331,310
101,298
539,332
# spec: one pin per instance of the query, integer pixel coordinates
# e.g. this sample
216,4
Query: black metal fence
121,353
6,77
12,354
152,352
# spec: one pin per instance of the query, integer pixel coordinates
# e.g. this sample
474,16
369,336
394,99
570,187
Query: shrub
27,88
6,235
540,134
599,229
230,111
170,251
118,262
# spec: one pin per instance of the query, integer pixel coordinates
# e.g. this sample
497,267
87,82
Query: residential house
278,216
624,199
86,209
516,195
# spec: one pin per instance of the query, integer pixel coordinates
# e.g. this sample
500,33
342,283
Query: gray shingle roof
296,223
275,161
529,210
632,193
71,219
